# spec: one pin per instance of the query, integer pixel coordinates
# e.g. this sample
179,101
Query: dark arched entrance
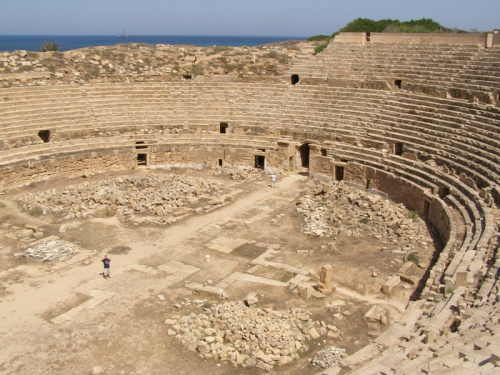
304,155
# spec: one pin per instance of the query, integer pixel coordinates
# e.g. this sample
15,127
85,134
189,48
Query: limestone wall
350,38
496,38
66,166
428,38
205,155
322,165
440,218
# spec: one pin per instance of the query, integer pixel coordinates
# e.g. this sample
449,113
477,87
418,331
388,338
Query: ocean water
70,42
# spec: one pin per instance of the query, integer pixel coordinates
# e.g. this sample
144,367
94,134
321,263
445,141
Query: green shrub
197,70
318,38
218,49
25,68
364,220
222,60
36,211
271,68
320,48
283,59
109,212
271,55
413,215
366,25
50,46
413,258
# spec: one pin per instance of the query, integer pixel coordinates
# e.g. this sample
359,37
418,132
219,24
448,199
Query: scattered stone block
307,292
410,279
313,333
251,299
326,279
376,314
318,295
390,284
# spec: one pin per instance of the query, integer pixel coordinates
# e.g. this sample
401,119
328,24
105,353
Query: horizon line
132,35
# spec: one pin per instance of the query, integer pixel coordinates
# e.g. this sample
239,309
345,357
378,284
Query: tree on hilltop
50,46
366,25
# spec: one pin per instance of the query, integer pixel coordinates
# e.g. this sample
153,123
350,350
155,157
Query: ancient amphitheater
409,120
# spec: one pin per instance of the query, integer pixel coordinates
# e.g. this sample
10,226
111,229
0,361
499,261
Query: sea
71,42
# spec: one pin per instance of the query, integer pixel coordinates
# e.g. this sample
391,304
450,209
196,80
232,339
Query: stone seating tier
358,126
443,67
333,117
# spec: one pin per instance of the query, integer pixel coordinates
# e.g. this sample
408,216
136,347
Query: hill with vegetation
366,25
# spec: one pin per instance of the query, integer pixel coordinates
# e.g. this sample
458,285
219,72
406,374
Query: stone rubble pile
18,61
247,336
245,174
165,197
51,251
332,208
328,357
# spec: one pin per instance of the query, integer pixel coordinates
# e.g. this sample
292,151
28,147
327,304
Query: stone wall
496,38
66,167
399,190
417,38
428,38
350,38
208,155
438,216
322,165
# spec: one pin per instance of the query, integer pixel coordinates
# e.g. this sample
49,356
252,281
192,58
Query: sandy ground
66,318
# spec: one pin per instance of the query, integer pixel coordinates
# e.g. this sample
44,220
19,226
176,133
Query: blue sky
230,17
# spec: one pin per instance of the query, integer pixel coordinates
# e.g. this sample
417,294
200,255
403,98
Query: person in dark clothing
106,261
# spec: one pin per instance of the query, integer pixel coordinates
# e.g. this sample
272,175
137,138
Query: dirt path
173,236
21,215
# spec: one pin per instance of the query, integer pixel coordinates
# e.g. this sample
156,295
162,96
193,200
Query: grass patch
271,68
92,73
109,212
320,48
25,68
413,258
36,211
413,215
318,37
197,69
271,55
218,49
